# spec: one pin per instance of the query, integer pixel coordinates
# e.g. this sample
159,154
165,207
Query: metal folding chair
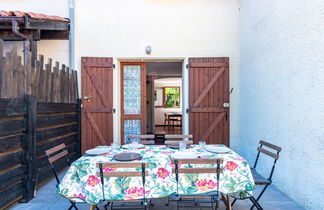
217,170
54,154
139,204
258,179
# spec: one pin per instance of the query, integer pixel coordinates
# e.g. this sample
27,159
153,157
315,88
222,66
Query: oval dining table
81,184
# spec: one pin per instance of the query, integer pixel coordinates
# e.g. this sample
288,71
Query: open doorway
164,97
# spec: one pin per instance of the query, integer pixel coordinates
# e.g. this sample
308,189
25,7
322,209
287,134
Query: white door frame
116,92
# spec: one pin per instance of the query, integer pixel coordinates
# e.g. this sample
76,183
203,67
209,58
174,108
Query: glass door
133,98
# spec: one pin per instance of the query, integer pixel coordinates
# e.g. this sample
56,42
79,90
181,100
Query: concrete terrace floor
47,199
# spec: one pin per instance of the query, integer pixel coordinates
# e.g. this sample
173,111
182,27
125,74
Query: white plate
97,151
183,155
218,149
137,146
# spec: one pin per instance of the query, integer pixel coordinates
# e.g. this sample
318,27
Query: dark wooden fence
27,129
49,82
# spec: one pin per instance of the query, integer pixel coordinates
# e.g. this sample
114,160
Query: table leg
227,201
93,207
229,204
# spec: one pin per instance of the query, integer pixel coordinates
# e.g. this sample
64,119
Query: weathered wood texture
12,158
48,82
208,91
27,129
97,89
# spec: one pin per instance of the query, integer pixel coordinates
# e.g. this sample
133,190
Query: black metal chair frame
267,183
213,198
65,153
110,204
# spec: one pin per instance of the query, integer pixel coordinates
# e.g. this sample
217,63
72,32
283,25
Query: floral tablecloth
81,184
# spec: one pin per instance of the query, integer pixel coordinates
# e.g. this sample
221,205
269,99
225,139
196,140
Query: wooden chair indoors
258,179
57,153
143,203
212,197
170,120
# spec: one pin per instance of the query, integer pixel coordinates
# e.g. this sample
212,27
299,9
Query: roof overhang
35,29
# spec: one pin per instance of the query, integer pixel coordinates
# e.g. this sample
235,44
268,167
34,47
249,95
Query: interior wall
281,88
174,29
159,111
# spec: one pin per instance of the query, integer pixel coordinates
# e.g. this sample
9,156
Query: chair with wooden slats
217,170
258,179
124,165
57,153
151,139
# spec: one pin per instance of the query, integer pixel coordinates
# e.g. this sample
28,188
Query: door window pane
131,127
132,89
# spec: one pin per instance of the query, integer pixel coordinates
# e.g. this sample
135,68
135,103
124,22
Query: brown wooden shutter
208,91
97,117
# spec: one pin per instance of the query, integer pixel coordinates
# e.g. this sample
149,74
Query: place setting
183,153
129,156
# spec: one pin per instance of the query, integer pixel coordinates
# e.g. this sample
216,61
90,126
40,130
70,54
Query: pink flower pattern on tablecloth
231,166
162,173
79,196
134,192
92,181
204,185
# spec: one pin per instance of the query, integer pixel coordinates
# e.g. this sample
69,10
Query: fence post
30,147
79,127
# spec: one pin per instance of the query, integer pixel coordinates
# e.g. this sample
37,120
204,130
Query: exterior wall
174,29
58,50
281,91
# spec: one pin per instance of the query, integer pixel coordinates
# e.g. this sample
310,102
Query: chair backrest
56,153
122,165
170,138
215,170
264,148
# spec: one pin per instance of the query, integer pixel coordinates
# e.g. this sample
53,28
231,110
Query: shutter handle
87,98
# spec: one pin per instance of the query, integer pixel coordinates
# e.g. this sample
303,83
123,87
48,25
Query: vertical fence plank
30,147
20,79
13,74
73,96
42,79
49,80
29,76
76,85
62,81
55,82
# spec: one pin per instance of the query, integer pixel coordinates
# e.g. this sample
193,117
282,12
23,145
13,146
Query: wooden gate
97,99
209,100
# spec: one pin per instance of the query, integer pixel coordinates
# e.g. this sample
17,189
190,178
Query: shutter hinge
187,66
114,110
187,110
81,105
114,66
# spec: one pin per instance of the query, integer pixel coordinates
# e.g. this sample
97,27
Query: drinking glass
202,144
135,144
182,146
114,145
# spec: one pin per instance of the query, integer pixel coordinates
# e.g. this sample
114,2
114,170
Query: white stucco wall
174,29
281,88
58,50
